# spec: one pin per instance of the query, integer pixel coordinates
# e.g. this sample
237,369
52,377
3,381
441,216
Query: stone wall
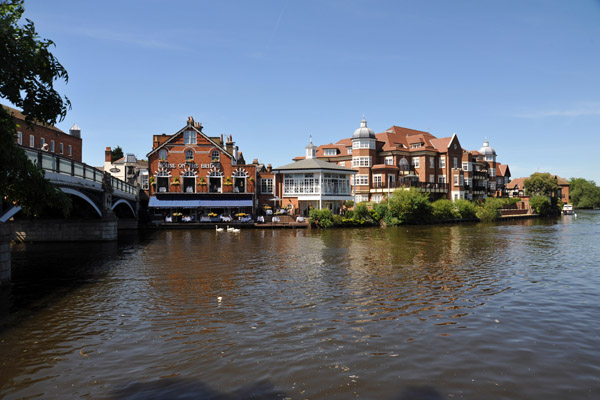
64,230
5,237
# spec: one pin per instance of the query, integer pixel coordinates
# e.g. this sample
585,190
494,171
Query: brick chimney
229,144
108,155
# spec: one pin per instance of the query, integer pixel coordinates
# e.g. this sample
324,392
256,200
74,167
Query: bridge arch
83,196
121,201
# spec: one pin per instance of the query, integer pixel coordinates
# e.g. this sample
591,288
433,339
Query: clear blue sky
523,73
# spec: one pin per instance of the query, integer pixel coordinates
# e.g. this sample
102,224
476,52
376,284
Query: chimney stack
269,167
108,155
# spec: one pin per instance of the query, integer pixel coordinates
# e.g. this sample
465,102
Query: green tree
444,209
321,218
541,204
116,154
584,193
490,209
409,206
27,74
540,183
466,209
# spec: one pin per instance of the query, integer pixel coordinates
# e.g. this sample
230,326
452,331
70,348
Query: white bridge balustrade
84,181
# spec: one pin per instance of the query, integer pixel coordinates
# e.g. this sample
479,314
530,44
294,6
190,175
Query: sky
525,74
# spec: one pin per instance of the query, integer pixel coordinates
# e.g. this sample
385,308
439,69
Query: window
415,145
465,166
431,162
361,162
361,198
189,155
330,152
361,180
70,150
403,164
52,148
266,185
349,149
443,162
31,141
389,160
145,181
489,157
42,141
189,137
442,179
416,162
342,163
215,156
377,198
376,180
363,144
455,163
432,178
61,148
20,137
455,180
162,155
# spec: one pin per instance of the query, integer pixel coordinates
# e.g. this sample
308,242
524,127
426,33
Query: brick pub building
197,175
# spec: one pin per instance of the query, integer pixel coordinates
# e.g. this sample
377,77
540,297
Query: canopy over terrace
198,205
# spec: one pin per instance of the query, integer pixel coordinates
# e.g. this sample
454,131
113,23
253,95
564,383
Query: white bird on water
235,230
218,229
230,229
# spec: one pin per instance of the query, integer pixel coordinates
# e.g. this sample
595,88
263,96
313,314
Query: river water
476,311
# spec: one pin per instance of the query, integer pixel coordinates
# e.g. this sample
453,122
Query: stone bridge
110,202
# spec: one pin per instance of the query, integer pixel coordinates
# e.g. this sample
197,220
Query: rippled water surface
504,311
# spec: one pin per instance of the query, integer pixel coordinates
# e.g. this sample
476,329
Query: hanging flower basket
202,181
228,181
175,181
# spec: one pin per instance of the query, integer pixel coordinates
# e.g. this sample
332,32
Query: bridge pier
5,237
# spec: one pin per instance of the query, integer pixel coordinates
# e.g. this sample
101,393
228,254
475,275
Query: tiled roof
516,183
441,144
19,115
313,163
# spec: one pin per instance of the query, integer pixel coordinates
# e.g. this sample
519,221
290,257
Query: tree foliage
444,209
116,154
490,209
410,206
584,193
541,204
540,183
27,74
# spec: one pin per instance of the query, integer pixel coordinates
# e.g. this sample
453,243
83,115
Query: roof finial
310,136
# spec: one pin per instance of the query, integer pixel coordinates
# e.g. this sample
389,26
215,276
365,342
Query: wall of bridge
5,238
65,230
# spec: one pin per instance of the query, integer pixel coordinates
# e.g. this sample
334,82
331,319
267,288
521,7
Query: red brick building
47,137
197,175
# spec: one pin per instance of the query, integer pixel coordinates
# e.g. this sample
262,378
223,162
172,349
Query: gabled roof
502,170
180,132
516,183
314,164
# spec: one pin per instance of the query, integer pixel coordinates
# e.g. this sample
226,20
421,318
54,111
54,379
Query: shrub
444,209
466,209
541,204
361,212
410,206
490,209
321,218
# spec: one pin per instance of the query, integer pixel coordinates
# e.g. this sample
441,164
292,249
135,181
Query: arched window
189,155
215,156
162,154
403,164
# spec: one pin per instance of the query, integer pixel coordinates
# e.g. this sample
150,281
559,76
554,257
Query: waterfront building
47,137
516,188
403,158
128,169
310,183
198,175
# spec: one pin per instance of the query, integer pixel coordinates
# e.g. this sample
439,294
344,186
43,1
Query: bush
361,212
466,209
410,206
444,209
490,209
541,204
321,218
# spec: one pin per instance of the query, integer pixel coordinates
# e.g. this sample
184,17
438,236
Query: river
475,311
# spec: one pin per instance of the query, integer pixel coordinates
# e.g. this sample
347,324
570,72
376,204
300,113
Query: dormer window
330,152
189,137
416,145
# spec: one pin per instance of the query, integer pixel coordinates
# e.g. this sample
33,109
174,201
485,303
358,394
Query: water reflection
480,311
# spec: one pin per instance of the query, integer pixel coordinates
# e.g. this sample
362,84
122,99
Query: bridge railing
55,163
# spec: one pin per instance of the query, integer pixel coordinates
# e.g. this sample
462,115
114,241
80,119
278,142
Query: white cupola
311,150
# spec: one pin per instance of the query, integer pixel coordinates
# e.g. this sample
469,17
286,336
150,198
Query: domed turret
486,150
363,132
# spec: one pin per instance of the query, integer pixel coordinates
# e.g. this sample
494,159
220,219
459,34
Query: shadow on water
42,273
188,389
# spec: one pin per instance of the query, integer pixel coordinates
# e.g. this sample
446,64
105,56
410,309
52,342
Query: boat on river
568,209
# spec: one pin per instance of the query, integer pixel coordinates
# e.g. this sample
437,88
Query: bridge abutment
5,238
104,229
